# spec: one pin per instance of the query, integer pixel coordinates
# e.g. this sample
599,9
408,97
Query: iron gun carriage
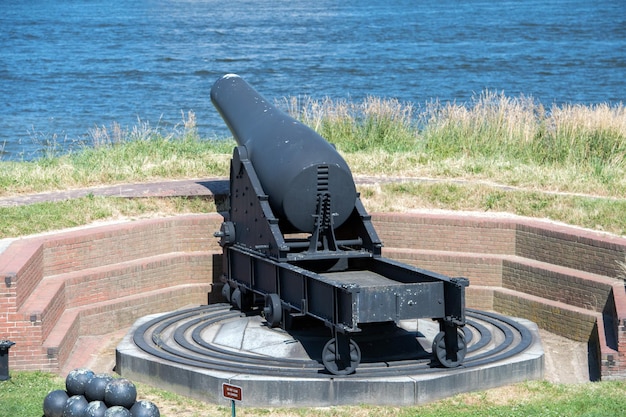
297,240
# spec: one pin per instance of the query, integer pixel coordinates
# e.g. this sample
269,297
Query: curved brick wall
563,278
96,280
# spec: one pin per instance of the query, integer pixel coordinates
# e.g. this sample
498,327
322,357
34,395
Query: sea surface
67,66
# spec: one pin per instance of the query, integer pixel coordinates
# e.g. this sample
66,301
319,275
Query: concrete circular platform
195,350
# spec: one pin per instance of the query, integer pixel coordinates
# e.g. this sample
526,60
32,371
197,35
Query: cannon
298,242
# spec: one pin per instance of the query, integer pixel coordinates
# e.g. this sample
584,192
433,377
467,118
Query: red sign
232,392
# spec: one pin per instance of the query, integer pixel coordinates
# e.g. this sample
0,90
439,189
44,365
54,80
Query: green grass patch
23,395
472,152
598,213
135,157
374,123
492,140
47,216
490,136
491,125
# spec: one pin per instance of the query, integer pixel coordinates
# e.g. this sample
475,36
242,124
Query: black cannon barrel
293,163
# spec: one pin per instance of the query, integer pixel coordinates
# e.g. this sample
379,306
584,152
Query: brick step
21,259
554,316
127,241
571,286
58,293
113,315
576,288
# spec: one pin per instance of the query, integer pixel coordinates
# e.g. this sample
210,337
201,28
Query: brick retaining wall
94,280
89,281
560,277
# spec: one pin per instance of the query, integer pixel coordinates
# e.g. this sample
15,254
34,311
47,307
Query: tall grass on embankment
518,129
495,153
117,155
516,141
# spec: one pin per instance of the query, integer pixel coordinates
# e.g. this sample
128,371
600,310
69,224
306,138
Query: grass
132,161
491,125
589,212
42,217
23,396
566,163
494,154
515,141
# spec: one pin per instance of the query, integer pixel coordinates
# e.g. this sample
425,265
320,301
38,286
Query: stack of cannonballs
97,395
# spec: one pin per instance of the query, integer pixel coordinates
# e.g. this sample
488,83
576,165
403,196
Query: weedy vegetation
494,154
566,163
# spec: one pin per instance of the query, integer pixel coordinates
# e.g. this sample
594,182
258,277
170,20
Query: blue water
68,65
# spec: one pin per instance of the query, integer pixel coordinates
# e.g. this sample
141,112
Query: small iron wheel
241,299
273,311
441,354
235,299
226,292
342,366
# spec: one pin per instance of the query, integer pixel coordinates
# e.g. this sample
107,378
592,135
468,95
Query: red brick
558,276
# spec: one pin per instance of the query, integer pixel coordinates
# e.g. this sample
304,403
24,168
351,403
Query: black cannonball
95,409
76,381
94,390
117,411
75,406
120,392
54,403
144,408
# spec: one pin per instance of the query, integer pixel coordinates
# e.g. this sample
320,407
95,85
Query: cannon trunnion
297,241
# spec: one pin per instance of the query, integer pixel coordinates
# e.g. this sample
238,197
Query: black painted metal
297,232
5,345
293,163
177,337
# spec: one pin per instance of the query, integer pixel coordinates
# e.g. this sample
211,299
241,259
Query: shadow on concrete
378,342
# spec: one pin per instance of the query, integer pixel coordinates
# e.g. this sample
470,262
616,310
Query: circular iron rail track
177,337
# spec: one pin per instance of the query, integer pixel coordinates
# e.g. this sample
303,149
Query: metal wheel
241,299
273,310
441,353
226,292
235,299
337,365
